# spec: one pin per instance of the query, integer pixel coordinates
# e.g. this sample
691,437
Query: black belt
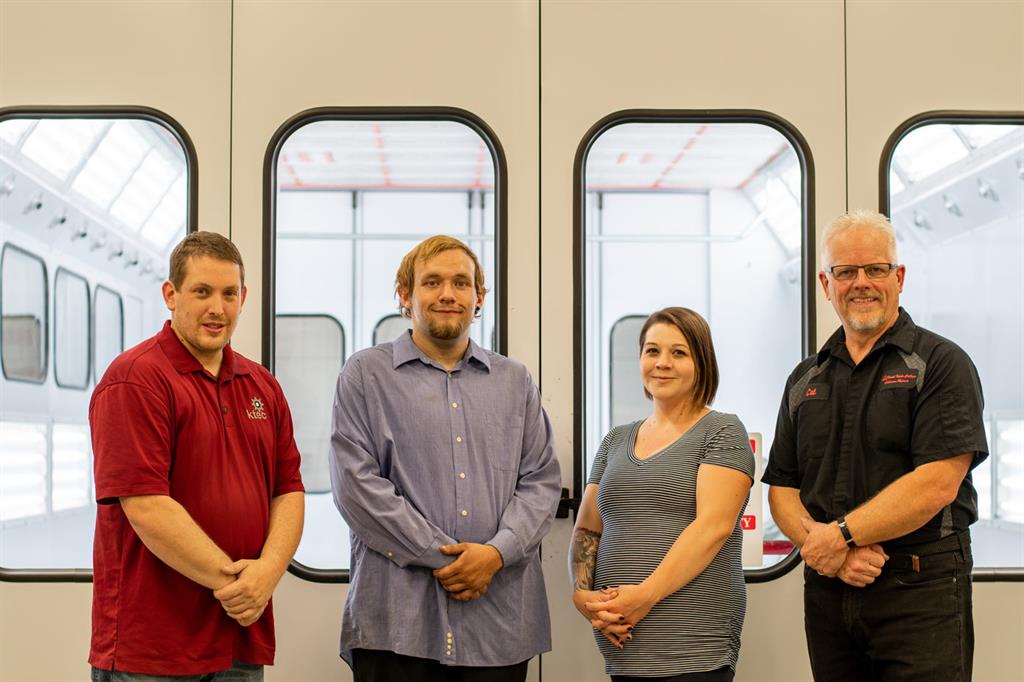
914,557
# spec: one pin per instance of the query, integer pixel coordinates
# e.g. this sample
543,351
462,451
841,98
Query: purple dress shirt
423,457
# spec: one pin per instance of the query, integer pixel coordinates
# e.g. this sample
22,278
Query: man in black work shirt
869,475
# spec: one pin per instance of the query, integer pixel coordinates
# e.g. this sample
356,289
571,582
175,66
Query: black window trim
948,117
381,113
46,316
120,302
808,271
135,112
88,335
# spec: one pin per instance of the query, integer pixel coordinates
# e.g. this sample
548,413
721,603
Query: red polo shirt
220,446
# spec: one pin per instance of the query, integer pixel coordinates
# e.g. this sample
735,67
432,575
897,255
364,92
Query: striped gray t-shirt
645,505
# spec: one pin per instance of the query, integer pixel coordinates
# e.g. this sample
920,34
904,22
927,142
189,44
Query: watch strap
847,536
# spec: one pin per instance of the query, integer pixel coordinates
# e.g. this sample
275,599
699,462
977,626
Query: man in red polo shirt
197,479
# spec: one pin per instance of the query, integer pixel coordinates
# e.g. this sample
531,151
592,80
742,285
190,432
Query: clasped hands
468,576
247,597
615,611
825,551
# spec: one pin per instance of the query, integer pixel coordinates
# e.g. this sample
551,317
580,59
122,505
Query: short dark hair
202,243
698,335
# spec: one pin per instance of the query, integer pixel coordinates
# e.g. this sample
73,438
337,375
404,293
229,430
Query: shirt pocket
503,440
814,425
887,426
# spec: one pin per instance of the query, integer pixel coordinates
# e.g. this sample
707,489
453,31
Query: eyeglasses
846,273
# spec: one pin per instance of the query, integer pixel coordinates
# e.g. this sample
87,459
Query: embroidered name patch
904,378
257,411
815,392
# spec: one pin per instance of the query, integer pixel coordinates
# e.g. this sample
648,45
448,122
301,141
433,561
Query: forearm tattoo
583,558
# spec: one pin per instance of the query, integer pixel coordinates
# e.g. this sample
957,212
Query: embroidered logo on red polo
257,411
904,378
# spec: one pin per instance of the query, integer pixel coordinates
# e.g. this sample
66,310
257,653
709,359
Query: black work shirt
847,430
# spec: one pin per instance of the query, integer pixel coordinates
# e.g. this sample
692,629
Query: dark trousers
369,665
723,674
914,623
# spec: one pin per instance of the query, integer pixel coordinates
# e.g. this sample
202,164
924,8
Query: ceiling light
986,190
59,219
951,205
921,220
34,205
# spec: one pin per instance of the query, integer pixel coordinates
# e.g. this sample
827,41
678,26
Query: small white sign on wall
752,521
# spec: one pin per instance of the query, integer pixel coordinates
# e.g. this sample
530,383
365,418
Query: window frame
133,112
808,270
89,379
382,113
948,117
46,317
92,334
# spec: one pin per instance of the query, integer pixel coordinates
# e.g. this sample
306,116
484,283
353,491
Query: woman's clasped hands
615,611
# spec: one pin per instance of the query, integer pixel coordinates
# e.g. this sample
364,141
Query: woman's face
666,365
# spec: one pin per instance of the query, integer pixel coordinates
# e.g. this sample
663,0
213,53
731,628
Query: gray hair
861,218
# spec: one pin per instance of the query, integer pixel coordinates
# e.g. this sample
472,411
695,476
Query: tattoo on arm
583,558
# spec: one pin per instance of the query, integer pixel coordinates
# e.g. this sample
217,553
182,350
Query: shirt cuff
506,542
430,557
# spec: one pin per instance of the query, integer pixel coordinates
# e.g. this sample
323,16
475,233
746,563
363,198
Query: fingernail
622,618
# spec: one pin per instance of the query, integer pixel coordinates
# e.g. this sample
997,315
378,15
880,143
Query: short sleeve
948,413
782,468
131,442
601,458
728,445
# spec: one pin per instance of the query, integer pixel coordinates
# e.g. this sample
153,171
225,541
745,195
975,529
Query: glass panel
967,218
24,315
308,357
702,215
108,329
22,470
352,198
390,328
76,169
71,330
72,467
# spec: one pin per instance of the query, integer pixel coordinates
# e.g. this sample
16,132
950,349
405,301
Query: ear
403,298
479,300
823,278
241,301
169,293
901,275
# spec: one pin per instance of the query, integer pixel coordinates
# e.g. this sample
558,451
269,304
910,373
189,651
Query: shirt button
391,554
458,439
462,474
224,409
455,405
465,512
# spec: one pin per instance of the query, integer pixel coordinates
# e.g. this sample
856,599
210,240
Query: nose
861,280
447,291
216,304
663,360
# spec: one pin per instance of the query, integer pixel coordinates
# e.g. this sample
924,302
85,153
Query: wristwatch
846,532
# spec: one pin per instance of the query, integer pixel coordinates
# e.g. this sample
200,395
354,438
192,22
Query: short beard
446,332
870,324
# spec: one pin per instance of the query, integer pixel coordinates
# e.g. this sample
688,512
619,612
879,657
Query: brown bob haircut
424,251
697,333
198,244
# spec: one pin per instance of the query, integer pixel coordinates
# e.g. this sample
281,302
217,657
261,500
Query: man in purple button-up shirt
443,466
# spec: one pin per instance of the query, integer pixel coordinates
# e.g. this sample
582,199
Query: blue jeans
239,672
913,624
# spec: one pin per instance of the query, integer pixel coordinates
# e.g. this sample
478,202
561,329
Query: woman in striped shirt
655,557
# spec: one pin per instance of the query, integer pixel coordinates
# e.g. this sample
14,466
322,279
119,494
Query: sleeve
369,503
948,412
287,476
729,446
132,431
528,516
783,467
601,459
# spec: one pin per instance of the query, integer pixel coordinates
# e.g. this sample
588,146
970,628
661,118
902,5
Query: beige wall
587,59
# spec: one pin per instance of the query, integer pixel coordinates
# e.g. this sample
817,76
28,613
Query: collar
186,363
404,349
901,334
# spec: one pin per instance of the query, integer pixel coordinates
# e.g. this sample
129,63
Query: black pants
370,665
914,623
723,674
